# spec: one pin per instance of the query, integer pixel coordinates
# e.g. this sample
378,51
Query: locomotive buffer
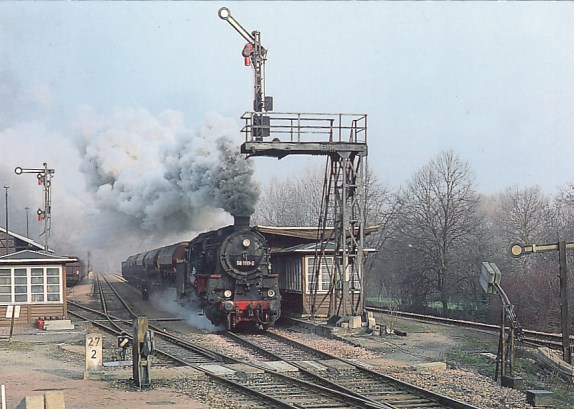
342,138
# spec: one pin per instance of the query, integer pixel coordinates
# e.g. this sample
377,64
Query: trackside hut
35,284
11,242
294,258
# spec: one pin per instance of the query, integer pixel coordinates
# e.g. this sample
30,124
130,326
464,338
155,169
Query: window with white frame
319,276
38,284
5,285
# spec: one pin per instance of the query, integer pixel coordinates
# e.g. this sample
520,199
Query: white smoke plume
187,309
162,177
124,182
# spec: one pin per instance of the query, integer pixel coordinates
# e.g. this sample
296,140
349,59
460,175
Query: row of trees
435,232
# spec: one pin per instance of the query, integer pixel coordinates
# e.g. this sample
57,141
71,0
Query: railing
305,127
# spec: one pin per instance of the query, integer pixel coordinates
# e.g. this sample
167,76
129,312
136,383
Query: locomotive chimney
241,222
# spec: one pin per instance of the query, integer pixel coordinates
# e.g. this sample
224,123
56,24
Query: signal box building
32,283
11,242
305,287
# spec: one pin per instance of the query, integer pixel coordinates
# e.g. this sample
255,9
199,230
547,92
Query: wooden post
15,314
512,350
565,316
503,344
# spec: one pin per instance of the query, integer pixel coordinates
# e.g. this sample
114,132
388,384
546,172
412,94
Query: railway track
534,338
261,384
348,376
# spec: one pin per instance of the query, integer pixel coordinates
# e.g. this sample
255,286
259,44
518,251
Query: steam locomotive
228,270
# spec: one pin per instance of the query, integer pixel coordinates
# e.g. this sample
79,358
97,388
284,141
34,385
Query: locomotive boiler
228,270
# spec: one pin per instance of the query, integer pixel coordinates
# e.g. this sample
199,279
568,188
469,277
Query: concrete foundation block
372,323
355,322
58,325
430,366
32,402
539,397
54,400
514,382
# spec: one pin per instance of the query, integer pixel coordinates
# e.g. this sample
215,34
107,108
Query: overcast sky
93,86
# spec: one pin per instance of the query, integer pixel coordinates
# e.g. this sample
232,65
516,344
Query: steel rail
534,337
312,390
405,386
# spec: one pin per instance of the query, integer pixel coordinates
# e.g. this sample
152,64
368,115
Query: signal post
518,250
342,138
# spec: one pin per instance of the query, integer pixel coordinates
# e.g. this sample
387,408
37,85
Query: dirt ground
36,361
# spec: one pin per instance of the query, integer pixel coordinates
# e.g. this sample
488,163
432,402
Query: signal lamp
224,13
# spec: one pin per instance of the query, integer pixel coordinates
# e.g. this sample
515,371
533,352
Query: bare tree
523,214
297,201
439,220
291,202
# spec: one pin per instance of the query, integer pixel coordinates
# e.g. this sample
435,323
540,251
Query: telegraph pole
27,224
6,187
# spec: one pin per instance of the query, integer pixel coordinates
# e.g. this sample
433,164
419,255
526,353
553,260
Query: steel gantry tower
342,138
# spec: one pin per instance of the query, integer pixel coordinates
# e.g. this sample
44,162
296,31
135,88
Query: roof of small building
312,248
307,233
31,256
24,239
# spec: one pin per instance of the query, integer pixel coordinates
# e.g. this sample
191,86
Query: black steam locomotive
227,269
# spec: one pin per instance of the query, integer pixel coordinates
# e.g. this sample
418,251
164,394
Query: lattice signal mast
44,176
340,137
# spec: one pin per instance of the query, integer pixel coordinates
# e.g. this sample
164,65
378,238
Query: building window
30,285
20,285
319,281
53,288
38,284
5,285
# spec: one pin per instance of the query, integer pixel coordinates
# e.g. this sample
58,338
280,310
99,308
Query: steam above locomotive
228,269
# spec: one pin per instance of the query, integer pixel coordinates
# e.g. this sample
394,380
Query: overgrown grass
525,366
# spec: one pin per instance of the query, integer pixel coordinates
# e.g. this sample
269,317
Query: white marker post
94,354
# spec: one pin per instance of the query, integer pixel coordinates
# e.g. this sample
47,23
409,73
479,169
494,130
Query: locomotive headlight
228,305
227,293
270,293
246,243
